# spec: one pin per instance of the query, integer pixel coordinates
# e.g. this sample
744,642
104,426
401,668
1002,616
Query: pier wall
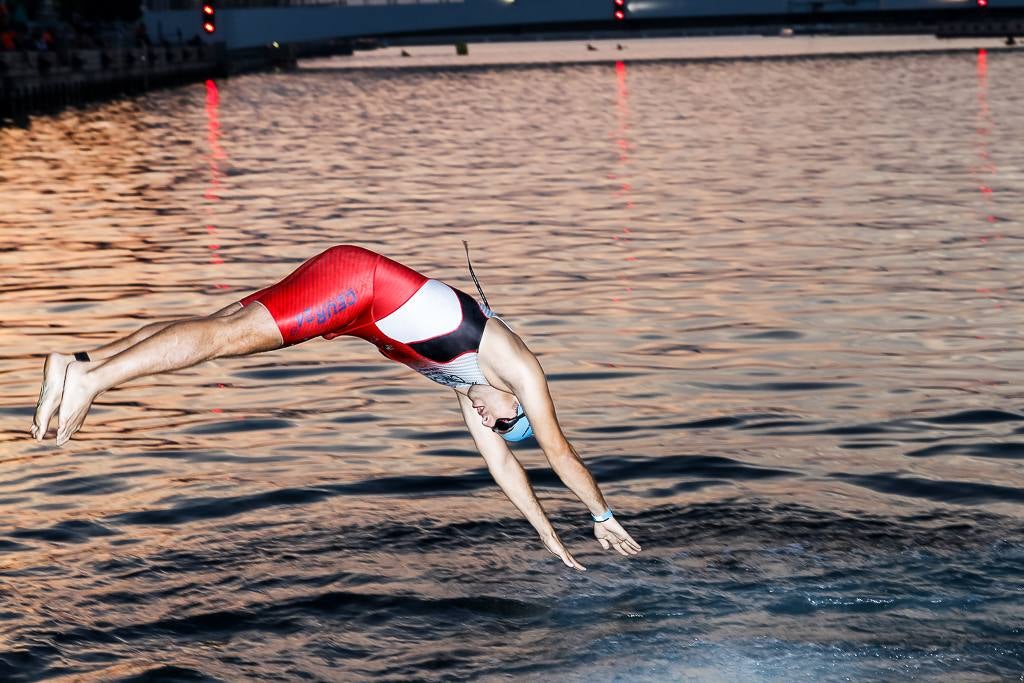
41,81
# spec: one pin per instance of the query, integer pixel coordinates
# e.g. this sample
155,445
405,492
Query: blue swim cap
521,430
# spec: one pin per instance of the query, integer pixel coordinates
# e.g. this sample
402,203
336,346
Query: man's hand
610,535
556,548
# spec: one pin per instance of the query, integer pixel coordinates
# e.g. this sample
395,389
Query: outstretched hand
556,548
610,534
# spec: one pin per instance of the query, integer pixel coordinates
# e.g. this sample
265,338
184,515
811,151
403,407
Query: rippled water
778,302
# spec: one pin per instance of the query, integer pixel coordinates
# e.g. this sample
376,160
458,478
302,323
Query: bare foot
79,393
49,394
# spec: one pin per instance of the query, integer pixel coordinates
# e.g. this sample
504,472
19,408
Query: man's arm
511,477
508,357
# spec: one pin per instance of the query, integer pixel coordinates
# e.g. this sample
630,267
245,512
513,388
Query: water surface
778,302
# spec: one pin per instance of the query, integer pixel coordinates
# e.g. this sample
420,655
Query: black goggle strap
476,282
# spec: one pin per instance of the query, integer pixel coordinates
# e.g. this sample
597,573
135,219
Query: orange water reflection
790,234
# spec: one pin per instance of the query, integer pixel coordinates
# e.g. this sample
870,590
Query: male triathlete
435,329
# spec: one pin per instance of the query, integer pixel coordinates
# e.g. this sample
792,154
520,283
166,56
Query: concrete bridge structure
244,24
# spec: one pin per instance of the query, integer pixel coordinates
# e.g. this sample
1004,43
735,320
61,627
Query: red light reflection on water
983,129
216,156
212,194
622,142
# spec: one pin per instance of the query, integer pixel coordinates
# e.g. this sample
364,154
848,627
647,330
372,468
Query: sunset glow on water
777,302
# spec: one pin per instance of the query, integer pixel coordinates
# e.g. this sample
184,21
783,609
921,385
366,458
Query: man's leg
56,366
178,345
116,347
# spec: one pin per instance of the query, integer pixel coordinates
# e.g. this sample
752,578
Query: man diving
433,328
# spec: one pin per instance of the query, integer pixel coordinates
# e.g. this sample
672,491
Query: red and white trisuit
433,328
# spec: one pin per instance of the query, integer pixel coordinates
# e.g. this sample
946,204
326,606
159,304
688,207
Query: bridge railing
165,5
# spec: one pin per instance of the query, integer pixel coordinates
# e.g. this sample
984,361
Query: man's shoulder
503,353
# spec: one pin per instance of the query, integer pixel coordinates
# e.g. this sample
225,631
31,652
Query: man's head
501,411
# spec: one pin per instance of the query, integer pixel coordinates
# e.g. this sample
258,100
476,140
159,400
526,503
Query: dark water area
778,302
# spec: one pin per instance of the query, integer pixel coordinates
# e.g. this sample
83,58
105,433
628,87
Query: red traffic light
208,10
619,15
208,27
982,3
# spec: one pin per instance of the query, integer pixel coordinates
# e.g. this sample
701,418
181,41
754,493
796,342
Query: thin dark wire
475,281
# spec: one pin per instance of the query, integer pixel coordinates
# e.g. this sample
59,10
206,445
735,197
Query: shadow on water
762,582
618,469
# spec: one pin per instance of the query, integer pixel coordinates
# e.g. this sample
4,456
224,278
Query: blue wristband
604,516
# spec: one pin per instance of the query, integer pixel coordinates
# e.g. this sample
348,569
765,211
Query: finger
628,540
624,547
571,562
619,547
604,543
